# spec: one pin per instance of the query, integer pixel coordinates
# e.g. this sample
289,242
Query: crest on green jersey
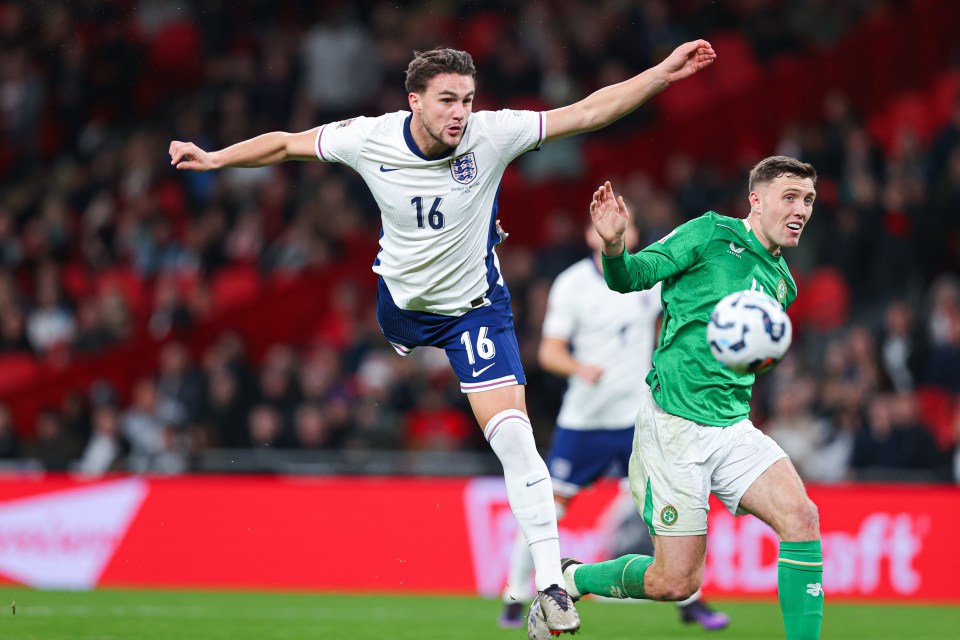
669,516
782,292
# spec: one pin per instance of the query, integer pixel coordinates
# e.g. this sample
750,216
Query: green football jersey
699,263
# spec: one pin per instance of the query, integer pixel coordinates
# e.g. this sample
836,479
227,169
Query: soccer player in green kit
693,433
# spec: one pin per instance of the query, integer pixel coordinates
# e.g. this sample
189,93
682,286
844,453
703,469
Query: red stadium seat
937,407
233,286
18,370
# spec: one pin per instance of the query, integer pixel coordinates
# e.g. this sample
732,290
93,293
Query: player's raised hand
610,218
186,156
687,59
590,373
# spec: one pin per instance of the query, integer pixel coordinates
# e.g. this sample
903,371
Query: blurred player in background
693,433
601,342
435,173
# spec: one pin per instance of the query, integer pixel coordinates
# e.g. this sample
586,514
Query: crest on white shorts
464,168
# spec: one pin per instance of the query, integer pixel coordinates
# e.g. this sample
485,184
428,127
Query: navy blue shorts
578,458
481,344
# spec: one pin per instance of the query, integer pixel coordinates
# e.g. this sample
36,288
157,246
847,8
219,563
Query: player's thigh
779,498
487,404
740,455
482,348
670,485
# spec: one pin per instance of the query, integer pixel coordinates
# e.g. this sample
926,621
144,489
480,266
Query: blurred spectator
818,453
23,92
11,250
179,384
277,386
245,239
892,438
13,335
901,348
265,427
312,430
943,360
955,458
148,426
50,324
106,449
341,70
93,335
9,440
171,312
52,445
226,408
157,250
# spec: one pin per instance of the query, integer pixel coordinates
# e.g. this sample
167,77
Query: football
536,624
749,332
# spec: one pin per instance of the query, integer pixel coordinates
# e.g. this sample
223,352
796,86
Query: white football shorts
676,464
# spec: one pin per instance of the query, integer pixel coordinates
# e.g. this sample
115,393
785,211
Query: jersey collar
412,145
773,258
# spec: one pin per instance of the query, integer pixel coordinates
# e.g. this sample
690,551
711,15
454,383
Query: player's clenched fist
186,156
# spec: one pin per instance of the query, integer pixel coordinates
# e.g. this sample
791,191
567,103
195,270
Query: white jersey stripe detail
473,387
402,350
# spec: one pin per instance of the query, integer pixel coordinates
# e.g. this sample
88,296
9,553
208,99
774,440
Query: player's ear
754,199
414,99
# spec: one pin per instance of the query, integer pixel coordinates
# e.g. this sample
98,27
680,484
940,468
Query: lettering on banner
742,555
63,540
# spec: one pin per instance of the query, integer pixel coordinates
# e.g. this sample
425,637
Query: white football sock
529,491
519,583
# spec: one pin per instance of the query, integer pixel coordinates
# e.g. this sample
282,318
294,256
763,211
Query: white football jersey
607,329
437,243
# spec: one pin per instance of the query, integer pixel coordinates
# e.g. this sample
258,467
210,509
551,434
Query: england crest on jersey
464,168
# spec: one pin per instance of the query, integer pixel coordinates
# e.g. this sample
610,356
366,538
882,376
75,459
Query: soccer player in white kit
435,173
598,340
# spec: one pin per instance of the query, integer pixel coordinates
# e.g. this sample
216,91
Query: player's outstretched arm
610,218
611,103
266,149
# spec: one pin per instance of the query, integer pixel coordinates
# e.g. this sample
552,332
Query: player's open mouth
794,226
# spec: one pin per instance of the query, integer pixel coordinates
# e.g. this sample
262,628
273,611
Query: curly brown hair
428,64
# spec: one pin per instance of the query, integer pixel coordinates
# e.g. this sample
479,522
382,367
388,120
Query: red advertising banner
423,535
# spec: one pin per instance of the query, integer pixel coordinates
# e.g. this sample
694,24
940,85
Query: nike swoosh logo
386,169
476,373
530,484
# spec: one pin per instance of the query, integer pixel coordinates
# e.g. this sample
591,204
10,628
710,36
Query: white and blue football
749,332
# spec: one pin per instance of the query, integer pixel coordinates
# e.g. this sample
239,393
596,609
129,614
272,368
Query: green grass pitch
196,615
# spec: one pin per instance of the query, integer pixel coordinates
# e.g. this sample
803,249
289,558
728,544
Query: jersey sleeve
342,141
514,132
673,254
560,318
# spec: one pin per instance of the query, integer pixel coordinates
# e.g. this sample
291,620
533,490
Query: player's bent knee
804,522
672,589
680,590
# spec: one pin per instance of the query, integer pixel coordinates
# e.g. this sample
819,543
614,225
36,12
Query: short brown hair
768,169
428,64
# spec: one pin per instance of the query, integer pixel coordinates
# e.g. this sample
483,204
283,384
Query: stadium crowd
102,244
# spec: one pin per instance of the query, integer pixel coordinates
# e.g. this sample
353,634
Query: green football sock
800,589
620,578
